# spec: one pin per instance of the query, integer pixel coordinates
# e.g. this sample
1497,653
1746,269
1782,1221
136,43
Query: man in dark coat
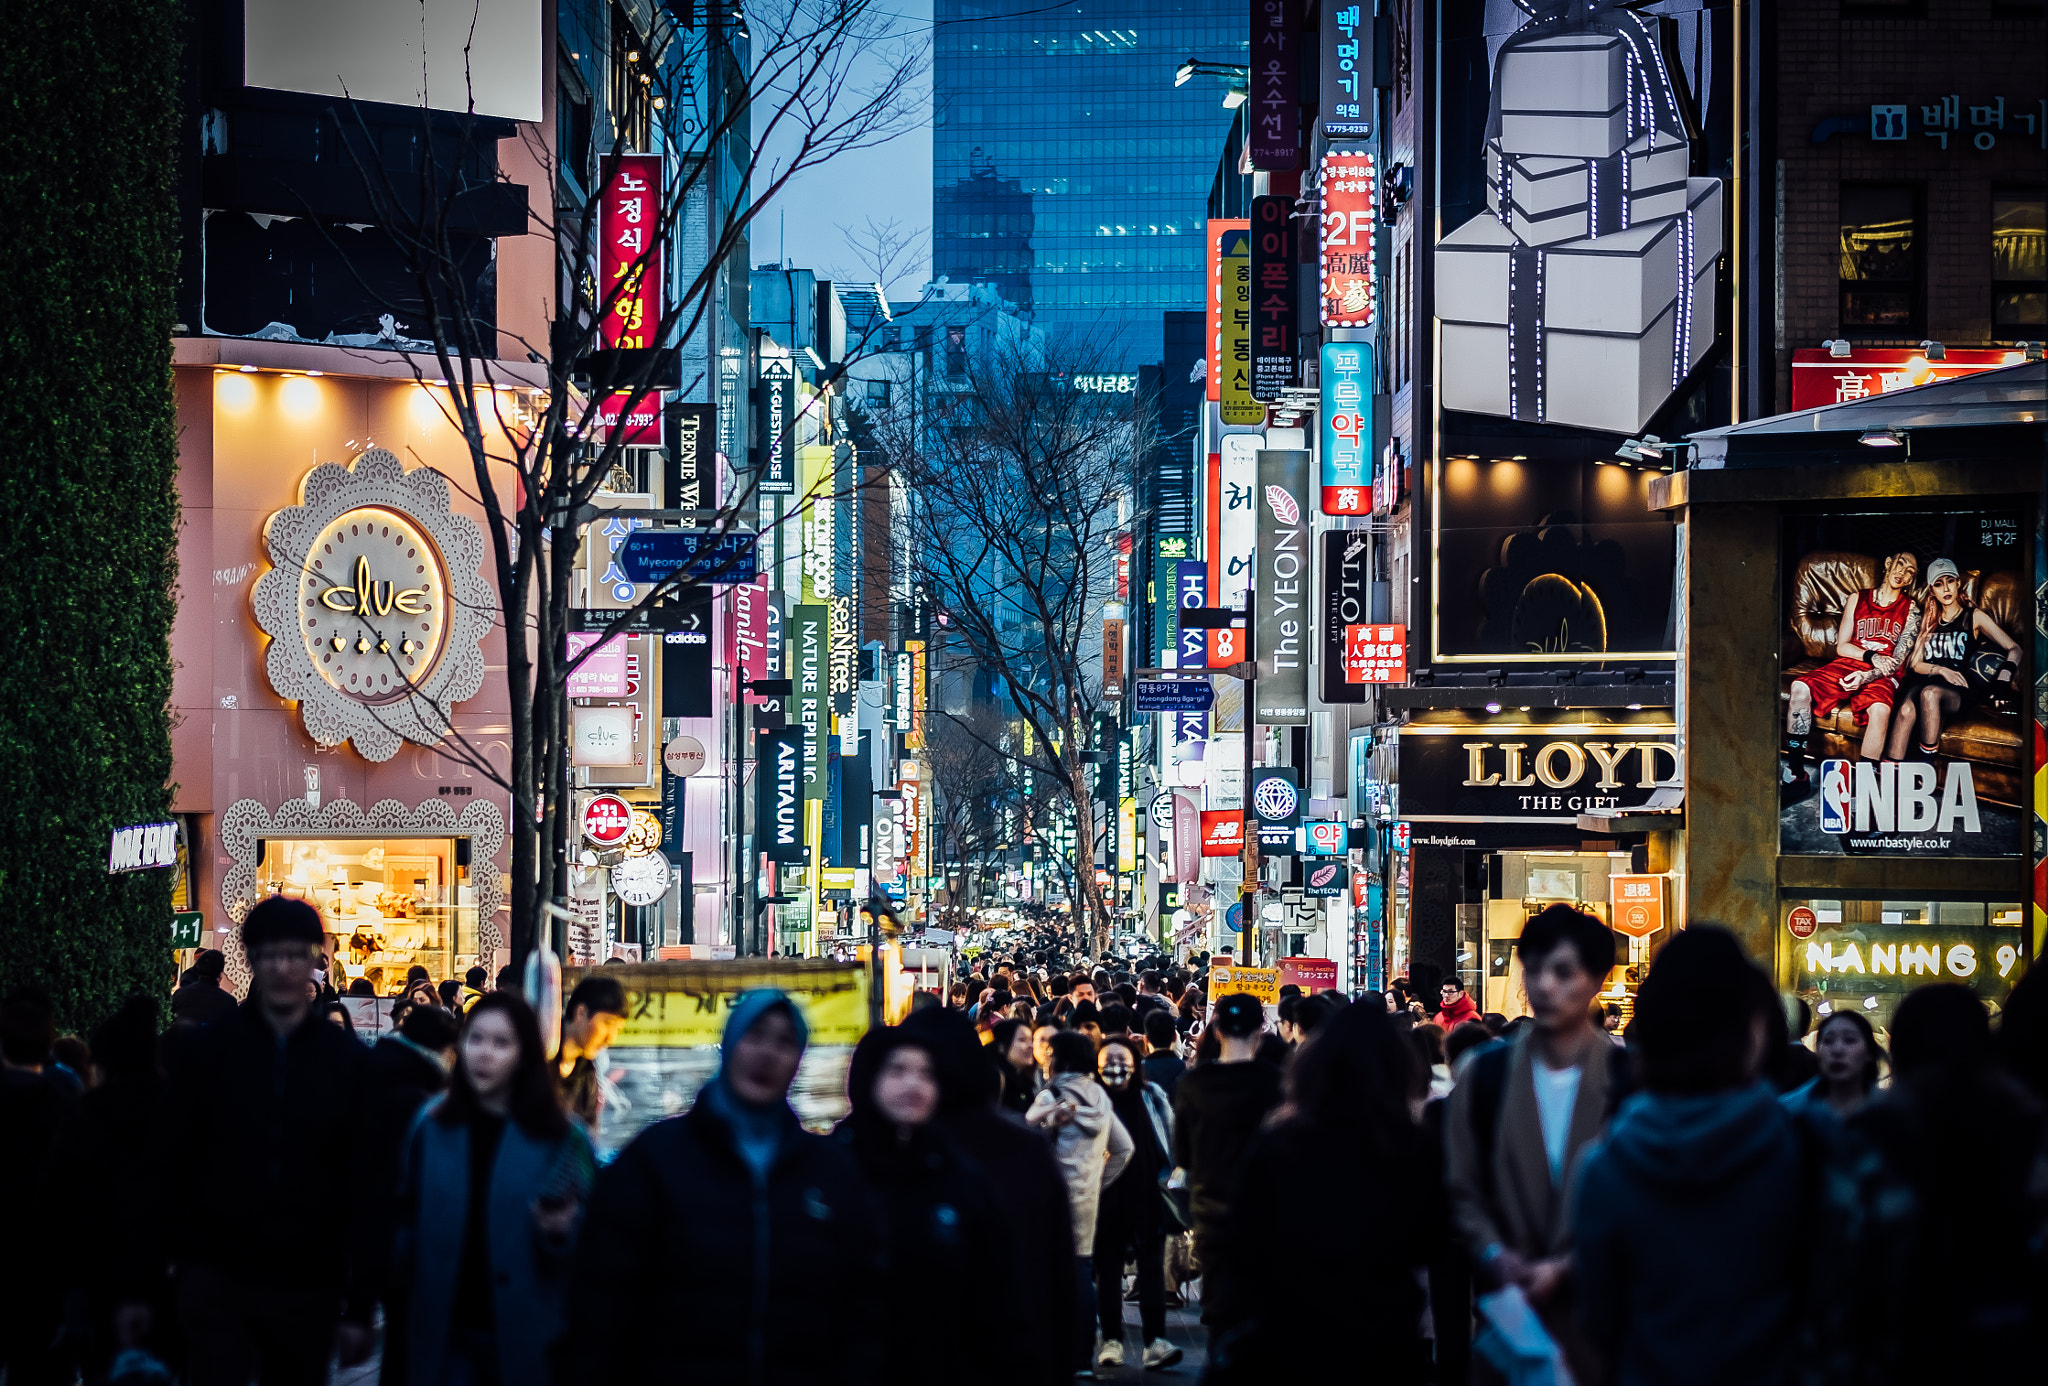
273,1099
1217,1108
729,1244
202,1000
406,1069
1020,1166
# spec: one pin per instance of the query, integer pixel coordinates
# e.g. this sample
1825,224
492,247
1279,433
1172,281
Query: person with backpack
1689,1218
1520,1122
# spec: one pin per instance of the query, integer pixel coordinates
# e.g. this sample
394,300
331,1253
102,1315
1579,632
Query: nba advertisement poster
1901,673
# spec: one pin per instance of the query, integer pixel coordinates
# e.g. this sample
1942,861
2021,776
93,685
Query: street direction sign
700,555
1173,695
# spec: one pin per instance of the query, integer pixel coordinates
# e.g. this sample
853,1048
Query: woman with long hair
1848,1055
496,1174
1347,1122
1011,1043
1943,687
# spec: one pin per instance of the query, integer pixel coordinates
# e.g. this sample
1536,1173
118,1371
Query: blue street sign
655,555
1173,695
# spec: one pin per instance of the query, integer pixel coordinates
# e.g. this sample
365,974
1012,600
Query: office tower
1069,170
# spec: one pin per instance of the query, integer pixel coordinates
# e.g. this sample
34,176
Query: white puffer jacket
1092,1148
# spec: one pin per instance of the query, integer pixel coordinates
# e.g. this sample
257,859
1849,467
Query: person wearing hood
1131,1216
939,1215
1092,1148
712,1239
1687,1227
1935,1213
1031,1197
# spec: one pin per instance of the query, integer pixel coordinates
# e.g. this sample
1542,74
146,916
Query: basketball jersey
1878,628
1948,642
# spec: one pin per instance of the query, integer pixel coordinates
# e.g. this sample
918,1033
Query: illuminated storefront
346,640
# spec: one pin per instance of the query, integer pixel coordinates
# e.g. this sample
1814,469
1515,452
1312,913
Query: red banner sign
606,820
1222,832
629,253
1349,215
641,422
1819,379
1375,654
1310,974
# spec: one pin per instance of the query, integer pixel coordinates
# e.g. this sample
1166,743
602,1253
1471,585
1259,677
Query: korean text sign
1275,87
629,253
1347,382
1348,217
1273,327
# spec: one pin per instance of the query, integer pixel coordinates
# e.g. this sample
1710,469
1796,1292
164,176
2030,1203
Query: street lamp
1238,77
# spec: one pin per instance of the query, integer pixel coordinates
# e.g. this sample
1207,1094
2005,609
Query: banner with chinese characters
629,252
1820,378
1376,654
1348,218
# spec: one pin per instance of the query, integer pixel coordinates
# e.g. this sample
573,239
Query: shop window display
387,904
1867,954
1525,883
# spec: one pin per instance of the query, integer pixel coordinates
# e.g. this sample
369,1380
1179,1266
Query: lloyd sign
1532,774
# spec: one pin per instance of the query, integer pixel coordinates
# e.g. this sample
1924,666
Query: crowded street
812,692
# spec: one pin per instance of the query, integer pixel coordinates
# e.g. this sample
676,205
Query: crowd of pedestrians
1368,1188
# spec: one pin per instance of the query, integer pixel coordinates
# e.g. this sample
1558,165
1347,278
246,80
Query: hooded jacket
1456,1012
1686,1240
1092,1148
693,1267
1030,1194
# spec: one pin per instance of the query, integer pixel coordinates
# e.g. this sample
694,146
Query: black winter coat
1217,1109
944,1237
286,1125
690,1271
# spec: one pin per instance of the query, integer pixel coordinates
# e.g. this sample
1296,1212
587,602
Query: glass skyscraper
1068,169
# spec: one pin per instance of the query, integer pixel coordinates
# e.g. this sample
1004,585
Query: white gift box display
1586,294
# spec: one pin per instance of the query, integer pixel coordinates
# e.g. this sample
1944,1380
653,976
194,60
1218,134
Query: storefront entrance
1518,886
1865,955
387,904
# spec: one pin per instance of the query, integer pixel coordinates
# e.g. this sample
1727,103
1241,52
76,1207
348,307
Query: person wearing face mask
939,1216
1131,1216
495,1179
1092,1148
708,1239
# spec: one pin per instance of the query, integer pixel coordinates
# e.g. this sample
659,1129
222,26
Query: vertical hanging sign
1347,428
777,407
1219,228
1347,601
1273,326
1346,238
807,656
1345,90
779,793
1283,589
629,253
1239,407
1275,88
1238,538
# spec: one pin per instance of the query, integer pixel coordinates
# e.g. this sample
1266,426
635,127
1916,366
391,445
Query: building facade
1068,169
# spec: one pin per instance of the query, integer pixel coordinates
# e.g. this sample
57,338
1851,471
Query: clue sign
1532,774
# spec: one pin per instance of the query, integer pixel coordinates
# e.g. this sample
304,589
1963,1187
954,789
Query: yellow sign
1235,395
1262,982
836,877
683,1005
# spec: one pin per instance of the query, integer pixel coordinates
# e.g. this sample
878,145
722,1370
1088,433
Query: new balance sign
1222,832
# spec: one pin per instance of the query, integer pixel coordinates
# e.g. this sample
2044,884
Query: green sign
808,631
185,928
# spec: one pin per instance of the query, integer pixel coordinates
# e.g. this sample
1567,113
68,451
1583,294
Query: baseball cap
1941,568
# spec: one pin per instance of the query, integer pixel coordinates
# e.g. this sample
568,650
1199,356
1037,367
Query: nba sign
1899,806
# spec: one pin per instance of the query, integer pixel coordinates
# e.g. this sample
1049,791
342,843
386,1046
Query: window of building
1880,259
956,351
878,392
2019,264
